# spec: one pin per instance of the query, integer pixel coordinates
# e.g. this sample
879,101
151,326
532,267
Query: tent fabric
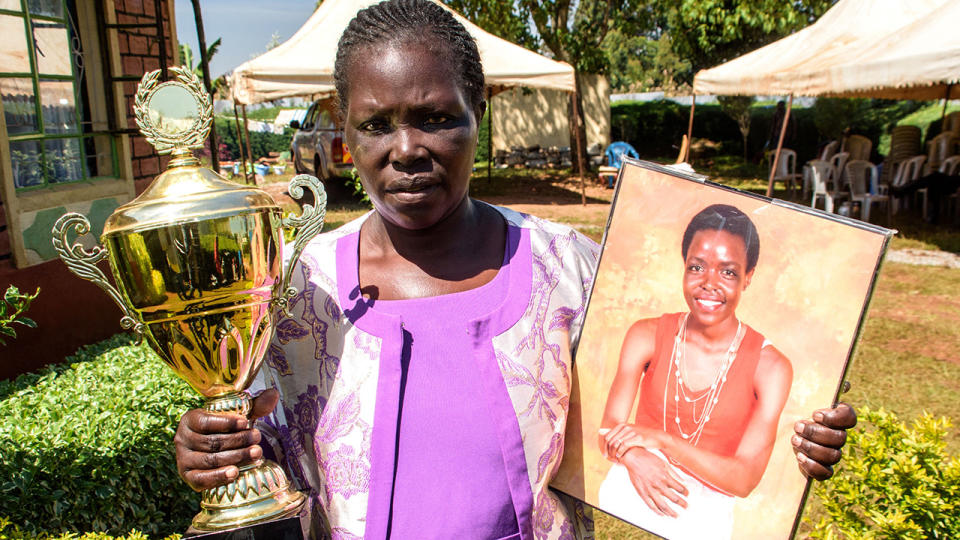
303,65
896,49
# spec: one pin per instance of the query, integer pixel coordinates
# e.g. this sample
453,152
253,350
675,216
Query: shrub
12,307
9,531
894,482
87,445
655,128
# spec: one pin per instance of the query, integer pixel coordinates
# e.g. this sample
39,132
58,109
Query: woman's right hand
654,480
210,446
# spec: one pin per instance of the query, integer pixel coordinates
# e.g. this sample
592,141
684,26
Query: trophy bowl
197,261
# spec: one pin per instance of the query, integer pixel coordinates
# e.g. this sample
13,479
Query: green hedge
895,481
9,531
87,445
655,128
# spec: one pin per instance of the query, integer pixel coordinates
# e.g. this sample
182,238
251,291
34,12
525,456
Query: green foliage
261,144
710,32
637,62
12,307
895,482
353,181
87,445
187,59
655,128
738,109
500,18
9,531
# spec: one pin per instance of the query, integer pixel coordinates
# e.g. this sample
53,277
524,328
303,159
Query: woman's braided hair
396,21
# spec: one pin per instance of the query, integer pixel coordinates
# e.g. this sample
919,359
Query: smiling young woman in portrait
711,393
420,387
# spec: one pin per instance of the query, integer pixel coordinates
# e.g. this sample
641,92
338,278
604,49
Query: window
45,100
310,118
326,120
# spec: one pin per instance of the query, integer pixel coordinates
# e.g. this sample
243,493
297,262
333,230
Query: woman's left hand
623,437
818,442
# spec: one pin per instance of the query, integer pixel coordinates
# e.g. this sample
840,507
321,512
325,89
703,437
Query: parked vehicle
317,147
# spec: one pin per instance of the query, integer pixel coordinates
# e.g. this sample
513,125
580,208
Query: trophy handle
83,263
308,224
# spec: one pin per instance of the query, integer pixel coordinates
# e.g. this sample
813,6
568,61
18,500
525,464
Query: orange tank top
660,404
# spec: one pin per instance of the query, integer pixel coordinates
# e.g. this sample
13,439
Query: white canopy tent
303,65
896,49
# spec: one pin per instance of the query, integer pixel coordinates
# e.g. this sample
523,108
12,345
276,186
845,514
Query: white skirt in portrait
708,515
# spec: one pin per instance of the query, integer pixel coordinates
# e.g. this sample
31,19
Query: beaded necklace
709,396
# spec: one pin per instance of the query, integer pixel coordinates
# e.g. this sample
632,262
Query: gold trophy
197,264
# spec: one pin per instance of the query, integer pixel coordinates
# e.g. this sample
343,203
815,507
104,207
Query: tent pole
489,132
246,135
776,156
943,114
685,150
243,159
205,66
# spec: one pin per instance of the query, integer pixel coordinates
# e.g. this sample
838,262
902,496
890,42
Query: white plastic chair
949,166
839,163
939,148
858,172
829,150
858,146
786,168
820,173
907,171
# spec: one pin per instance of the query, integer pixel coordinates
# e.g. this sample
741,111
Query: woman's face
411,131
715,276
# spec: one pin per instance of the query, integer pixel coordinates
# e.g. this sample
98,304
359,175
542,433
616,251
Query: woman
424,376
711,393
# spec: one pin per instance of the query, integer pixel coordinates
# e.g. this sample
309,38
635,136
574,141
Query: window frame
84,131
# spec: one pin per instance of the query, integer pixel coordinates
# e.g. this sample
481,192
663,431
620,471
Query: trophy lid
175,117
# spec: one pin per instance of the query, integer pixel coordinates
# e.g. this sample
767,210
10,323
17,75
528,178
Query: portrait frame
807,296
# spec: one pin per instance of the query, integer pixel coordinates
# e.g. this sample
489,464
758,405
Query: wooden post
685,151
243,159
776,156
205,65
943,114
246,135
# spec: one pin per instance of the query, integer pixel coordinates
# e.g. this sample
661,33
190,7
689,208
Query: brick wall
140,53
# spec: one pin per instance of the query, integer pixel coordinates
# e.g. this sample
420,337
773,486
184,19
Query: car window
326,120
310,118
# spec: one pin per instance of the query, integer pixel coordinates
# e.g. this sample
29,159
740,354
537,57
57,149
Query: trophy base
288,528
260,493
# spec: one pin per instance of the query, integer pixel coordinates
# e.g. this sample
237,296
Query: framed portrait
717,320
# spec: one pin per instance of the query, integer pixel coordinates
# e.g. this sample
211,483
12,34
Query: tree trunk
205,65
578,132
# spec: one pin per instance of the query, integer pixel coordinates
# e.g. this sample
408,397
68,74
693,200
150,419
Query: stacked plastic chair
904,144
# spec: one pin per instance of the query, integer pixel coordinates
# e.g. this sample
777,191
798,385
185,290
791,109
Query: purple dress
449,478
